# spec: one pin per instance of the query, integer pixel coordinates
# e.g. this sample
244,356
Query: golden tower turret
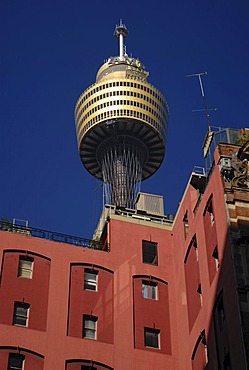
121,124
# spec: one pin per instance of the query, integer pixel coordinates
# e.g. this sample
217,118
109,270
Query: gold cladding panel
123,112
111,93
120,108
112,114
118,101
88,94
153,114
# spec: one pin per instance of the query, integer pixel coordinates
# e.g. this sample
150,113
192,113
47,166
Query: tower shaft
122,174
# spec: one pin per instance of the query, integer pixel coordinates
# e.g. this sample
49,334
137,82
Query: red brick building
148,293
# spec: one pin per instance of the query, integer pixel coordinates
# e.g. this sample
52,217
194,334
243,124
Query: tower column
122,174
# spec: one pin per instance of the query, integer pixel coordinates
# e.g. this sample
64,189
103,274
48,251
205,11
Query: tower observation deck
121,124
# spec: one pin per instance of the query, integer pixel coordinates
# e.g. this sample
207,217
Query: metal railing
54,236
199,170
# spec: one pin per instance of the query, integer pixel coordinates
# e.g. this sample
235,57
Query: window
149,252
199,290
151,337
16,361
210,211
149,289
200,352
227,362
21,313
221,313
185,222
90,280
90,327
215,255
25,267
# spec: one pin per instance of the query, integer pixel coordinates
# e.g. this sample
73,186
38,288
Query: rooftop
53,236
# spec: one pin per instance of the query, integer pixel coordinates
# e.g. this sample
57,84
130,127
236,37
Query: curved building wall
22,356
155,308
30,287
91,298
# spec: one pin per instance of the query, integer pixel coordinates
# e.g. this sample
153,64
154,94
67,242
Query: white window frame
21,318
186,224
90,327
91,280
25,267
149,290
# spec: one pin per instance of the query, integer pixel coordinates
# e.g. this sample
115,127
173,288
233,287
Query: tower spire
121,33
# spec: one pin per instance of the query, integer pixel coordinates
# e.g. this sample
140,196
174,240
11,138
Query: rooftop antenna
203,97
209,135
121,33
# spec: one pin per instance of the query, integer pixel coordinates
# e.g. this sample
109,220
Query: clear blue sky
51,51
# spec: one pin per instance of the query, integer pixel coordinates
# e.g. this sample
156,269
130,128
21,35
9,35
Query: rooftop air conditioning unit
150,203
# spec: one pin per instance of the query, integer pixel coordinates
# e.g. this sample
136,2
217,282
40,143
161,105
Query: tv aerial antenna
206,109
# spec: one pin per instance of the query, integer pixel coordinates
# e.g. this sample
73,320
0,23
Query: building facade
149,291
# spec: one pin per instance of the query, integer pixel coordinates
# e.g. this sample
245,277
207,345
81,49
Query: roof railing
54,236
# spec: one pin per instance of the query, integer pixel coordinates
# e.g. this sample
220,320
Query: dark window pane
221,313
15,361
151,337
149,252
227,363
21,311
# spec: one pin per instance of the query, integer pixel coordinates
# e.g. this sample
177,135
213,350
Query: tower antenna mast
203,96
121,33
